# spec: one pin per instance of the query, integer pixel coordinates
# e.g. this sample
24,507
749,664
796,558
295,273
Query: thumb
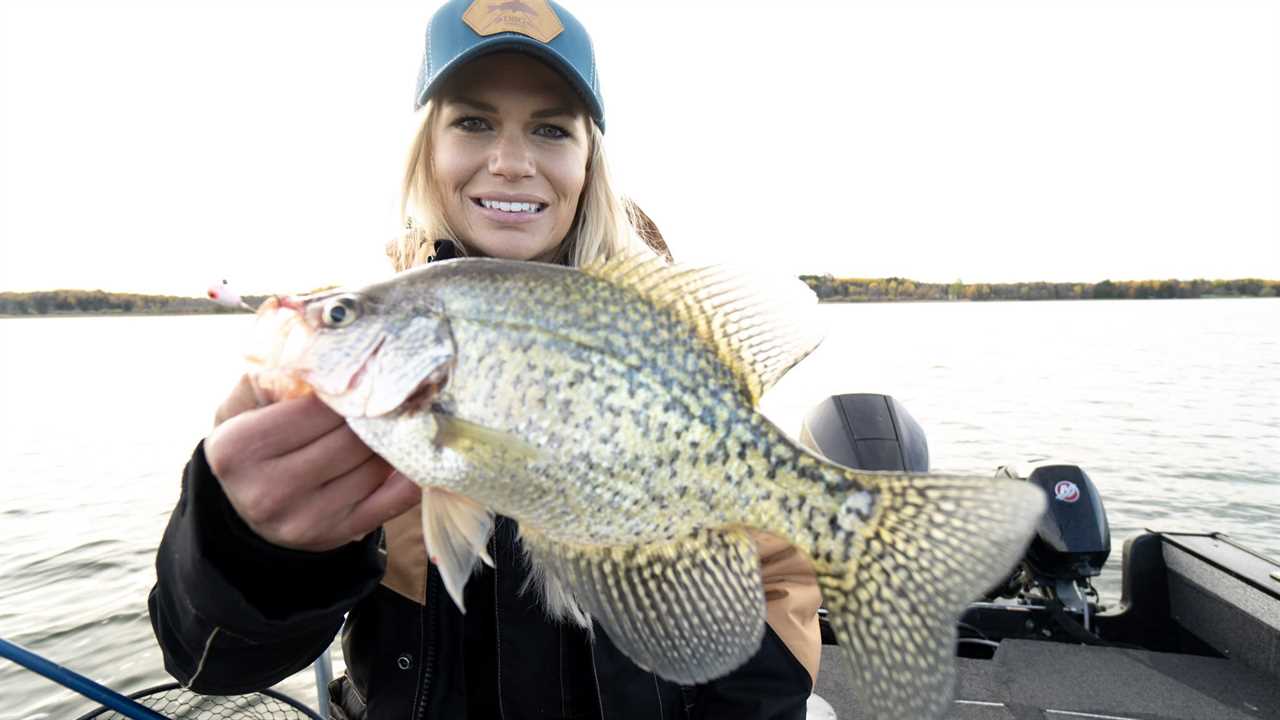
242,398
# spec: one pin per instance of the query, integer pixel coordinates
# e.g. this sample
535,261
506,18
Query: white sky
156,146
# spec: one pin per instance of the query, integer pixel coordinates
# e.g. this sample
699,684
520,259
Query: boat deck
1028,680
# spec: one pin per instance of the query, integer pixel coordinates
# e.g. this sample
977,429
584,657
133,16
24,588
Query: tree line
72,302
828,289
835,289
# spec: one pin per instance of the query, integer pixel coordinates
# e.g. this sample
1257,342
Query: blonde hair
601,227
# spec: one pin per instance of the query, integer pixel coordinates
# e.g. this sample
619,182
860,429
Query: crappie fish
611,411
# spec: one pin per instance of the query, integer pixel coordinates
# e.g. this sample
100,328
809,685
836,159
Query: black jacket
236,614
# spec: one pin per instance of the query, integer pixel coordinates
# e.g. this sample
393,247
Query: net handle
77,682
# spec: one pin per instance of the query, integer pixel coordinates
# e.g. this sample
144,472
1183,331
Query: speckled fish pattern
611,411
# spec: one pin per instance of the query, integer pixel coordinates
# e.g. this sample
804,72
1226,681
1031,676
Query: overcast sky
156,146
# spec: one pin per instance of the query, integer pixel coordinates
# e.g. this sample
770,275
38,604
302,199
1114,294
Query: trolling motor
1070,546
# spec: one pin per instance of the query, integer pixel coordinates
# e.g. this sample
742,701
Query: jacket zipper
428,663
595,678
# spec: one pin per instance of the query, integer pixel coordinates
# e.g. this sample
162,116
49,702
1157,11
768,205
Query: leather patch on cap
533,18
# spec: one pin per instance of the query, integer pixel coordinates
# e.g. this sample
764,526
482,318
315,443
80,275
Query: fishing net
176,702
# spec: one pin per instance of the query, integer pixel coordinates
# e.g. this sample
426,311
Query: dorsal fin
759,327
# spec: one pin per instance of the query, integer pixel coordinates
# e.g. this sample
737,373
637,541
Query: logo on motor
1066,491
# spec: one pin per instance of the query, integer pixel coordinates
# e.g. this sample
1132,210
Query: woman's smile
504,209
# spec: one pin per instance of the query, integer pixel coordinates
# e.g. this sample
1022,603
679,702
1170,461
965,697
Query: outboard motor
866,431
1051,587
1070,545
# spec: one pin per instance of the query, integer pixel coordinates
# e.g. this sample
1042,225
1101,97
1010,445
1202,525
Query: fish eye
340,311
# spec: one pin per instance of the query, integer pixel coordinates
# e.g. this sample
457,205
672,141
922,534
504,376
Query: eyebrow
561,111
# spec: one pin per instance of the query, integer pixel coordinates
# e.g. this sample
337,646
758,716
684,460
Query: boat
1195,635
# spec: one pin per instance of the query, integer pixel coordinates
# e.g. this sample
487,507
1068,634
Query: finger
277,429
394,496
327,458
319,519
340,496
314,481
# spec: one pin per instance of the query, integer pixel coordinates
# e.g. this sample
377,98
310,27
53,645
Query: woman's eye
554,132
471,124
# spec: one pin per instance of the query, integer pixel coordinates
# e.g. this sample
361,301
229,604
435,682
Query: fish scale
612,413
591,435
618,413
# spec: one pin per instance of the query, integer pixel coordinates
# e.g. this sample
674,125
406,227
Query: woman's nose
511,158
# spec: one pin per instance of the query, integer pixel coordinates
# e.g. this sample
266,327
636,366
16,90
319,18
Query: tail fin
932,544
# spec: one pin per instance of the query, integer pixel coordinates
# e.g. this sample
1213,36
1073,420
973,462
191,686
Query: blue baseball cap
463,30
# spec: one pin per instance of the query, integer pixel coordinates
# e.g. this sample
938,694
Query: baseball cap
463,30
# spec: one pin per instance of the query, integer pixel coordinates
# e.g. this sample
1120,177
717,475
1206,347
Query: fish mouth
369,372
425,394
279,335
364,396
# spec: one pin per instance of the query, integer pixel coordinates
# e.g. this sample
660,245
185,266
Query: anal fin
690,610
456,530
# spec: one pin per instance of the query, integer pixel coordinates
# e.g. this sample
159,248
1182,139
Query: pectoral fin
690,610
456,530
481,445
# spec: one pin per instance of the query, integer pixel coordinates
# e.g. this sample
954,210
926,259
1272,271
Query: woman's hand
298,476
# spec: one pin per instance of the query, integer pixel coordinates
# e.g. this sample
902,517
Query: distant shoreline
821,301
77,303
836,289
116,313
829,289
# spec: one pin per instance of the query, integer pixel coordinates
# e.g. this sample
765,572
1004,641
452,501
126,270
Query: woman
287,521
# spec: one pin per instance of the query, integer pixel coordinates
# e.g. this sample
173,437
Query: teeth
512,207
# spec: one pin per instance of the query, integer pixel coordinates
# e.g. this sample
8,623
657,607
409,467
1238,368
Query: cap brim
515,42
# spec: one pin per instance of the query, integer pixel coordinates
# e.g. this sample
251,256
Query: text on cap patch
533,18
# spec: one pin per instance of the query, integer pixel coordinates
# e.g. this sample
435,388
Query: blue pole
102,695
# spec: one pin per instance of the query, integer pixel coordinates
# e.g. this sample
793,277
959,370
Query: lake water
1173,407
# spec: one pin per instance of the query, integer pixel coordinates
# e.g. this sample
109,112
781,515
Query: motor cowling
1073,539
866,431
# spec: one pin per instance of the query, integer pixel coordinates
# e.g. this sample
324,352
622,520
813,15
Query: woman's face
510,156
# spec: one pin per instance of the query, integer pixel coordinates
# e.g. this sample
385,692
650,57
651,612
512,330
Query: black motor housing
866,431
1073,539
